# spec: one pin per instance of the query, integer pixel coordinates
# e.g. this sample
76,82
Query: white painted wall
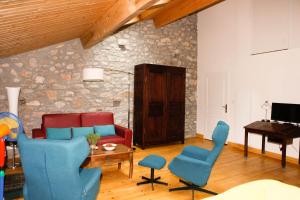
225,44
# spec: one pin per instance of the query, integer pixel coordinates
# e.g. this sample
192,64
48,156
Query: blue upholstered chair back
219,137
51,167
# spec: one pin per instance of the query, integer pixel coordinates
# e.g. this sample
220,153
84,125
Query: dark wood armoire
159,104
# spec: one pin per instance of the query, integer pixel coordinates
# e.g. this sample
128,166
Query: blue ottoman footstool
154,162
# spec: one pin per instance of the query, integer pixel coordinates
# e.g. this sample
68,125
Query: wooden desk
283,132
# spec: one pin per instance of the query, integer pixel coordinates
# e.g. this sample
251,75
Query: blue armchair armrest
195,152
187,168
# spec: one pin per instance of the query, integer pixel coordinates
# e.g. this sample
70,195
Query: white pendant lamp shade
13,99
92,74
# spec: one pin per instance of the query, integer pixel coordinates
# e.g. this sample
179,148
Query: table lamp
266,106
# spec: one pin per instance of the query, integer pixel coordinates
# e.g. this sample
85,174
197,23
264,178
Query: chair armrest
125,133
38,133
191,169
195,152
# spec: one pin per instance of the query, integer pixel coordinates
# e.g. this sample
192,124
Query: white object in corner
92,74
13,99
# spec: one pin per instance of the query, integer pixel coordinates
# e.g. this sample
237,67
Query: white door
216,107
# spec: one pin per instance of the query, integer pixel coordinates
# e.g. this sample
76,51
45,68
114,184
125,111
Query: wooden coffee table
120,154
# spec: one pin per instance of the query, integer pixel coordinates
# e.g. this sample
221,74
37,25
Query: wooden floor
231,169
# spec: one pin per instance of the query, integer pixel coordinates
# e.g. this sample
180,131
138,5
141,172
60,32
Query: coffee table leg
119,166
130,164
90,163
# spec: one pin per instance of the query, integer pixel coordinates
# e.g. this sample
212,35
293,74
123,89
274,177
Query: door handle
225,108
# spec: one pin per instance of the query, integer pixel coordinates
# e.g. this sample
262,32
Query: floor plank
231,169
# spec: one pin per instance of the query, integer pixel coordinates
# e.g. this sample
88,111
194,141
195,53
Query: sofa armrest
38,133
125,133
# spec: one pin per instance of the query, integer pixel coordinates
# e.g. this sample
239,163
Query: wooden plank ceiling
31,24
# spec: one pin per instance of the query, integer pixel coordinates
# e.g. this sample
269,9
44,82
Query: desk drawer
279,141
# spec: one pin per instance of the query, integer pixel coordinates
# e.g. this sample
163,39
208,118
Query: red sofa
123,135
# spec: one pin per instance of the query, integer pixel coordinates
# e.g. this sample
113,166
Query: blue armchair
194,164
52,169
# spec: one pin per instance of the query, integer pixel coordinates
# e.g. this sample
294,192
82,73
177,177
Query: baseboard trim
189,136
200,135
267,154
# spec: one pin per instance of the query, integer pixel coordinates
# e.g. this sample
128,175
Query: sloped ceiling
30,24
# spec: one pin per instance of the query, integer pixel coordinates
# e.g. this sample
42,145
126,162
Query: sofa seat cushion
111,139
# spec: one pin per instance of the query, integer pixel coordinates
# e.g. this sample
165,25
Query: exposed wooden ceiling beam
160,3
178,9
154,10
133,21
150,13
115,17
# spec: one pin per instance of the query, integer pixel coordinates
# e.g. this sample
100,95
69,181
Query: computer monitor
285,112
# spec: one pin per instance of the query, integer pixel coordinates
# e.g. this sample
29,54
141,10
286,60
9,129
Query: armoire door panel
156,109
155,128
175,127
176,85
176,104
156,85
156,94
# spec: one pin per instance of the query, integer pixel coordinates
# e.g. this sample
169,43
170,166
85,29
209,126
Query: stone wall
51,78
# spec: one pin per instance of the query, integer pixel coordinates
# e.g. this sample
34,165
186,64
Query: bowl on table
109,146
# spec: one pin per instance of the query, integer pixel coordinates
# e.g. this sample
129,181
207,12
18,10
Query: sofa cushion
61,120
111,139
105,130
58,133
97,118
82,131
